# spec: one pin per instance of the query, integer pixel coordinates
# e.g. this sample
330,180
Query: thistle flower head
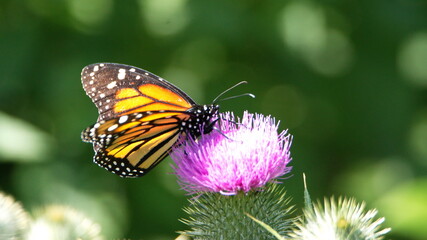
14,221
63,222
243,155
345,220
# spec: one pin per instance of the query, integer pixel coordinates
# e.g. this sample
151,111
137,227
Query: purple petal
252,154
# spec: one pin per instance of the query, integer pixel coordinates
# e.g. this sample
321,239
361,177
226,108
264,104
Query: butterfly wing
140,117
131,145
119,90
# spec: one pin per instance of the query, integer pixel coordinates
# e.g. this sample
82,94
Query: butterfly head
203,119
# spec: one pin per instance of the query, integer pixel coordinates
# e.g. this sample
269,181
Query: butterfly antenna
241,95
227,90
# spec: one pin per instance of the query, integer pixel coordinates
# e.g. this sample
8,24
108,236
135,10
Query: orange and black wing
118,90
131,145
140,117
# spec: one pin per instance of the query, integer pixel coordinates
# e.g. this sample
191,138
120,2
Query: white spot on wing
122,74
96,68
111,128
112,85
123,119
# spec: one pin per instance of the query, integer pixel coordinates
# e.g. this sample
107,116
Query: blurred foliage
348,78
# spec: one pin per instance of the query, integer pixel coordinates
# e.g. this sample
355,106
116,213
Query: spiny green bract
215,216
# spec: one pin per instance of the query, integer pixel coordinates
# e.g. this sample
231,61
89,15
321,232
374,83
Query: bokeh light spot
21,141
305,32
303,26
412,59
369,177
405,208
89,14
164,17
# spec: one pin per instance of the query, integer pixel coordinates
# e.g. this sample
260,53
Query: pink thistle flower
241,157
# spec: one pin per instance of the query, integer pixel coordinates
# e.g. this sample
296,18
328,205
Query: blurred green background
348,78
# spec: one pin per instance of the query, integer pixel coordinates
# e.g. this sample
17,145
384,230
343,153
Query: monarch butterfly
141,116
